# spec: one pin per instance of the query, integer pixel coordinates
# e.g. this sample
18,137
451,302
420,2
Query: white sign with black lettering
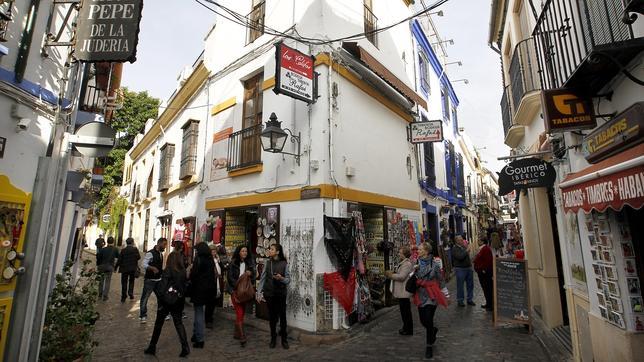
428,131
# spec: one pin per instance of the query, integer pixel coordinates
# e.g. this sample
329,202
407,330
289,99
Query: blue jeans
149,287
199,324
464,275
104,285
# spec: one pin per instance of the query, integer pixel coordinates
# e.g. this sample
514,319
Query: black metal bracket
632,6
608,96
54,40
295,139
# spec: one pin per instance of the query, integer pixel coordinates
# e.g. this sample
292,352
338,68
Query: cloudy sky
172,37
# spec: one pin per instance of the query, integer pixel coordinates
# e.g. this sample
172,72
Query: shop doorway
432,230
560,271
634,218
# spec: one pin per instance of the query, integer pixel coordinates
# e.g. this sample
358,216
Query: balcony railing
524,74
370,25
244,148
575,40
506,110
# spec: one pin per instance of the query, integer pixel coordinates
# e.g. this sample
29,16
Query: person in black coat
241,264
173,279
220,268
203,289
127,264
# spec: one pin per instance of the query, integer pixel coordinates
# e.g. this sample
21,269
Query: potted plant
71,315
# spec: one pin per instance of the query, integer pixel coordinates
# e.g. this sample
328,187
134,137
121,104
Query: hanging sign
108,30
564,111
294,75
427,131
524,174
614,191
624,131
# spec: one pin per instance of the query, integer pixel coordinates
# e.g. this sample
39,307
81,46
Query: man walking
128,264
99,243
463,267
152,266
105,266
483,265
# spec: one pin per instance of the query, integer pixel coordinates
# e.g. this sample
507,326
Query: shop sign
108,30
427,131
524,174
614,191
563,111
623,131
294,74
313,193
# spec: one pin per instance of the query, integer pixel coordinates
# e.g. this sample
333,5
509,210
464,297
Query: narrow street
465,334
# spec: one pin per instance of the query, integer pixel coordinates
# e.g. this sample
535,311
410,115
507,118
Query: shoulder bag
244,291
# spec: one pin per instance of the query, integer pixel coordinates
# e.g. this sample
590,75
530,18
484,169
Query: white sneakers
143,319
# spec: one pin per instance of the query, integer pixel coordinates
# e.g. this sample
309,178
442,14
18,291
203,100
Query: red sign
294,74
614,191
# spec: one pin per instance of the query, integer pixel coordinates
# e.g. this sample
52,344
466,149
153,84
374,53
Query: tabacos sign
108,30
524,174
624,131
294,75
563,111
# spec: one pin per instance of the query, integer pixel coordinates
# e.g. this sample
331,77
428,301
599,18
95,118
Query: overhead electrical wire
243,20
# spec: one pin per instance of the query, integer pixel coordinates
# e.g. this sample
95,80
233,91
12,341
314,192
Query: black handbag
410,284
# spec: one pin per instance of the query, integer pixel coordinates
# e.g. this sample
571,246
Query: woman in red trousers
241,264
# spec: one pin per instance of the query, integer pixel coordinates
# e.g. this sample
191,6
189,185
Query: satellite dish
93,139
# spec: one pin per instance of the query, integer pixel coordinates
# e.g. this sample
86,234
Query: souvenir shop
607,199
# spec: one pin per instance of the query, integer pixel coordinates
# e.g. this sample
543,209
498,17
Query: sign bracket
54,40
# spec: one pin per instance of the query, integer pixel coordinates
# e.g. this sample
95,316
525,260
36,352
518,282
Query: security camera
23,124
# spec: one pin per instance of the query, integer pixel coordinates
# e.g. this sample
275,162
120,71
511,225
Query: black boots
152,349
428,352
432,338
272,344
284,342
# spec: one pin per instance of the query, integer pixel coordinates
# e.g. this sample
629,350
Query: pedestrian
463,267
128,264
483,265
399,277
105,265
241,264
152,267
203,290
272,286
171,291
100,242
428,295
497,243
219,281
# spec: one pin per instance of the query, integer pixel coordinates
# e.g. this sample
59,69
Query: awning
384,73
613,182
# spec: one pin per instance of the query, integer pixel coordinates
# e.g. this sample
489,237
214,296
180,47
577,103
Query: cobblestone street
465,334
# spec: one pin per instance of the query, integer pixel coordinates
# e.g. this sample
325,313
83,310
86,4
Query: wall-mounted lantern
273,138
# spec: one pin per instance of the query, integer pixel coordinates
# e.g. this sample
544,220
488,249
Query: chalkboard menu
511,298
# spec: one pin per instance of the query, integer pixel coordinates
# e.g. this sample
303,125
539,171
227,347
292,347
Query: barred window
165,166
189,149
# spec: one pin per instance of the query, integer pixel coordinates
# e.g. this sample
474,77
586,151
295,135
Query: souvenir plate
259,231
273,241
267,231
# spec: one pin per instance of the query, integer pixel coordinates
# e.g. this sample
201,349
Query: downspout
25,43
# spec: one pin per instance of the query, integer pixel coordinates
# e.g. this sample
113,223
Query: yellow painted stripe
326,191
223,106
192,85
323,58
268,83
246,170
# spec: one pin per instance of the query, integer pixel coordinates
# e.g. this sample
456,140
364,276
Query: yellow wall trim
223,106
246,170
324,58
326,191
268,83
181,185
192,85
408,2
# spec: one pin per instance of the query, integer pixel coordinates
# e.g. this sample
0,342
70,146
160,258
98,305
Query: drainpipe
25,43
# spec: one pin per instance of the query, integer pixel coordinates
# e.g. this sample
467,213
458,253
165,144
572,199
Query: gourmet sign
294,74
524,174
108,30
428,131
615,191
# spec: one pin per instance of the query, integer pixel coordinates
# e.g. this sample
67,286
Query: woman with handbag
241,278
399,277
203,290
428,294
272,285
171,291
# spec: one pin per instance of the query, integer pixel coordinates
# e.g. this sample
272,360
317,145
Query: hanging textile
363,298
341,289
361,240
339,243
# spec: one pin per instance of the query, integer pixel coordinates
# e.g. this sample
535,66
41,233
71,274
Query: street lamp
450,41
461,80
437,13
273,138
460,64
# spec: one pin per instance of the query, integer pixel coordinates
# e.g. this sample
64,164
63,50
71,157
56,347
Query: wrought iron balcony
244,148
524,74
506,111
583,44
